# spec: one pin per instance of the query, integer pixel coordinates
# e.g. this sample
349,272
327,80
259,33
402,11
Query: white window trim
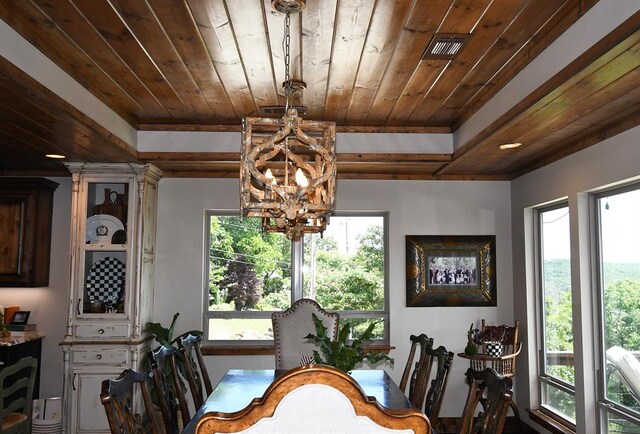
542,378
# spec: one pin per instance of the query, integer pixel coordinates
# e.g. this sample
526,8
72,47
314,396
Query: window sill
549,423
266,350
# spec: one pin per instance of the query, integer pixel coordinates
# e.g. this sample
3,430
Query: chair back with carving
292,325
195,368
442,360
315,399
124,414
508,335
16,393
416,376
164,366
493,393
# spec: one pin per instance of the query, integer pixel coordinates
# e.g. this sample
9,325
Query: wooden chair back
164,367
442,360
292,325
416,376
16,384
121,400
195,368
505,365
493,393
314,399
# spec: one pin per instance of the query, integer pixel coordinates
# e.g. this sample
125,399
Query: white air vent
445,46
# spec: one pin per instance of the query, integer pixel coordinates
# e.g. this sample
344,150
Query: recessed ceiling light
57,156
510,145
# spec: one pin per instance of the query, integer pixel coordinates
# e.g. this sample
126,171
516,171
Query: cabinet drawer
102,331
102,357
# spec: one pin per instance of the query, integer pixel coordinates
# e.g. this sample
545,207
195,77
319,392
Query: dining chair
164,366
493,393
292,325
195,368
416,376
17,382
505,364
314,399
442,360
123,413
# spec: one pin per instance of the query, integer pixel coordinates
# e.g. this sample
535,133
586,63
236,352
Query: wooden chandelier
288,173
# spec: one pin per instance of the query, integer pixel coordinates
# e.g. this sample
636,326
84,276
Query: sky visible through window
620,221
346,231
621,228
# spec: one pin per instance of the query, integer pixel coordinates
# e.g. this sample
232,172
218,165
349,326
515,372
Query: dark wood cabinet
26,211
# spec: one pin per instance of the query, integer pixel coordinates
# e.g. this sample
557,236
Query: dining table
239,387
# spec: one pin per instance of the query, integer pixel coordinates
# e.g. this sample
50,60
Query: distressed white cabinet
111,294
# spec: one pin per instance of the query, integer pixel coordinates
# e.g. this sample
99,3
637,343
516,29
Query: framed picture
451,270
21,317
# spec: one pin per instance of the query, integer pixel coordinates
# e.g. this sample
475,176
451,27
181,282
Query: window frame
603,403
297,261
544,379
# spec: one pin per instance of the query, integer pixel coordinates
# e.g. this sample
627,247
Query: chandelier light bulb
301,180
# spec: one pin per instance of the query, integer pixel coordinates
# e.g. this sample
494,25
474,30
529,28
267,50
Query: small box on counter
21,327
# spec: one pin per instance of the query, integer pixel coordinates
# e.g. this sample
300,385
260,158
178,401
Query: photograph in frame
20,317
451,270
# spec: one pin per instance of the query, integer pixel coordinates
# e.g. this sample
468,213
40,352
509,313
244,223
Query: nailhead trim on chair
290,311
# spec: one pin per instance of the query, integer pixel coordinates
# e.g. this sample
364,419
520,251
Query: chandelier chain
287,60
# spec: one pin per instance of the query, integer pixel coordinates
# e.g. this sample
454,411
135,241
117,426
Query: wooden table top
239,386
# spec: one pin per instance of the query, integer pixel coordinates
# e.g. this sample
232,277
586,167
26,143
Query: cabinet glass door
106,248
107,214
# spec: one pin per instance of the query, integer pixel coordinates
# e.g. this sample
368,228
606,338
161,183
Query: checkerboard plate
105,279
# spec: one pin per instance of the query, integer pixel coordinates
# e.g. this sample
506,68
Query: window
251,274
618,229
556,362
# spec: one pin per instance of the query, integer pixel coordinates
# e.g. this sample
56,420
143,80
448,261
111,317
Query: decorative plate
101,227
105,280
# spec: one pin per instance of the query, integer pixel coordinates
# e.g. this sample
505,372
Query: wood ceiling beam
154,157
350,165
233,128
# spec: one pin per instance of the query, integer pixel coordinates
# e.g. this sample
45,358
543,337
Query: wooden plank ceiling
188,65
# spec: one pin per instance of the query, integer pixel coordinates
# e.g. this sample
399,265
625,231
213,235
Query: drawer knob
99,356
101,331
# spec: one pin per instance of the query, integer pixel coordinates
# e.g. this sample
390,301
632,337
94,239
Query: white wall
48,305
415,207
612,161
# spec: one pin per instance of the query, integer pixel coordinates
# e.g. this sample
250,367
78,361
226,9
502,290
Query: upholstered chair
292,325
315,399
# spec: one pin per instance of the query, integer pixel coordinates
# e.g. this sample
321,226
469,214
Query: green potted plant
341,353
164,335
472,347
4,333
